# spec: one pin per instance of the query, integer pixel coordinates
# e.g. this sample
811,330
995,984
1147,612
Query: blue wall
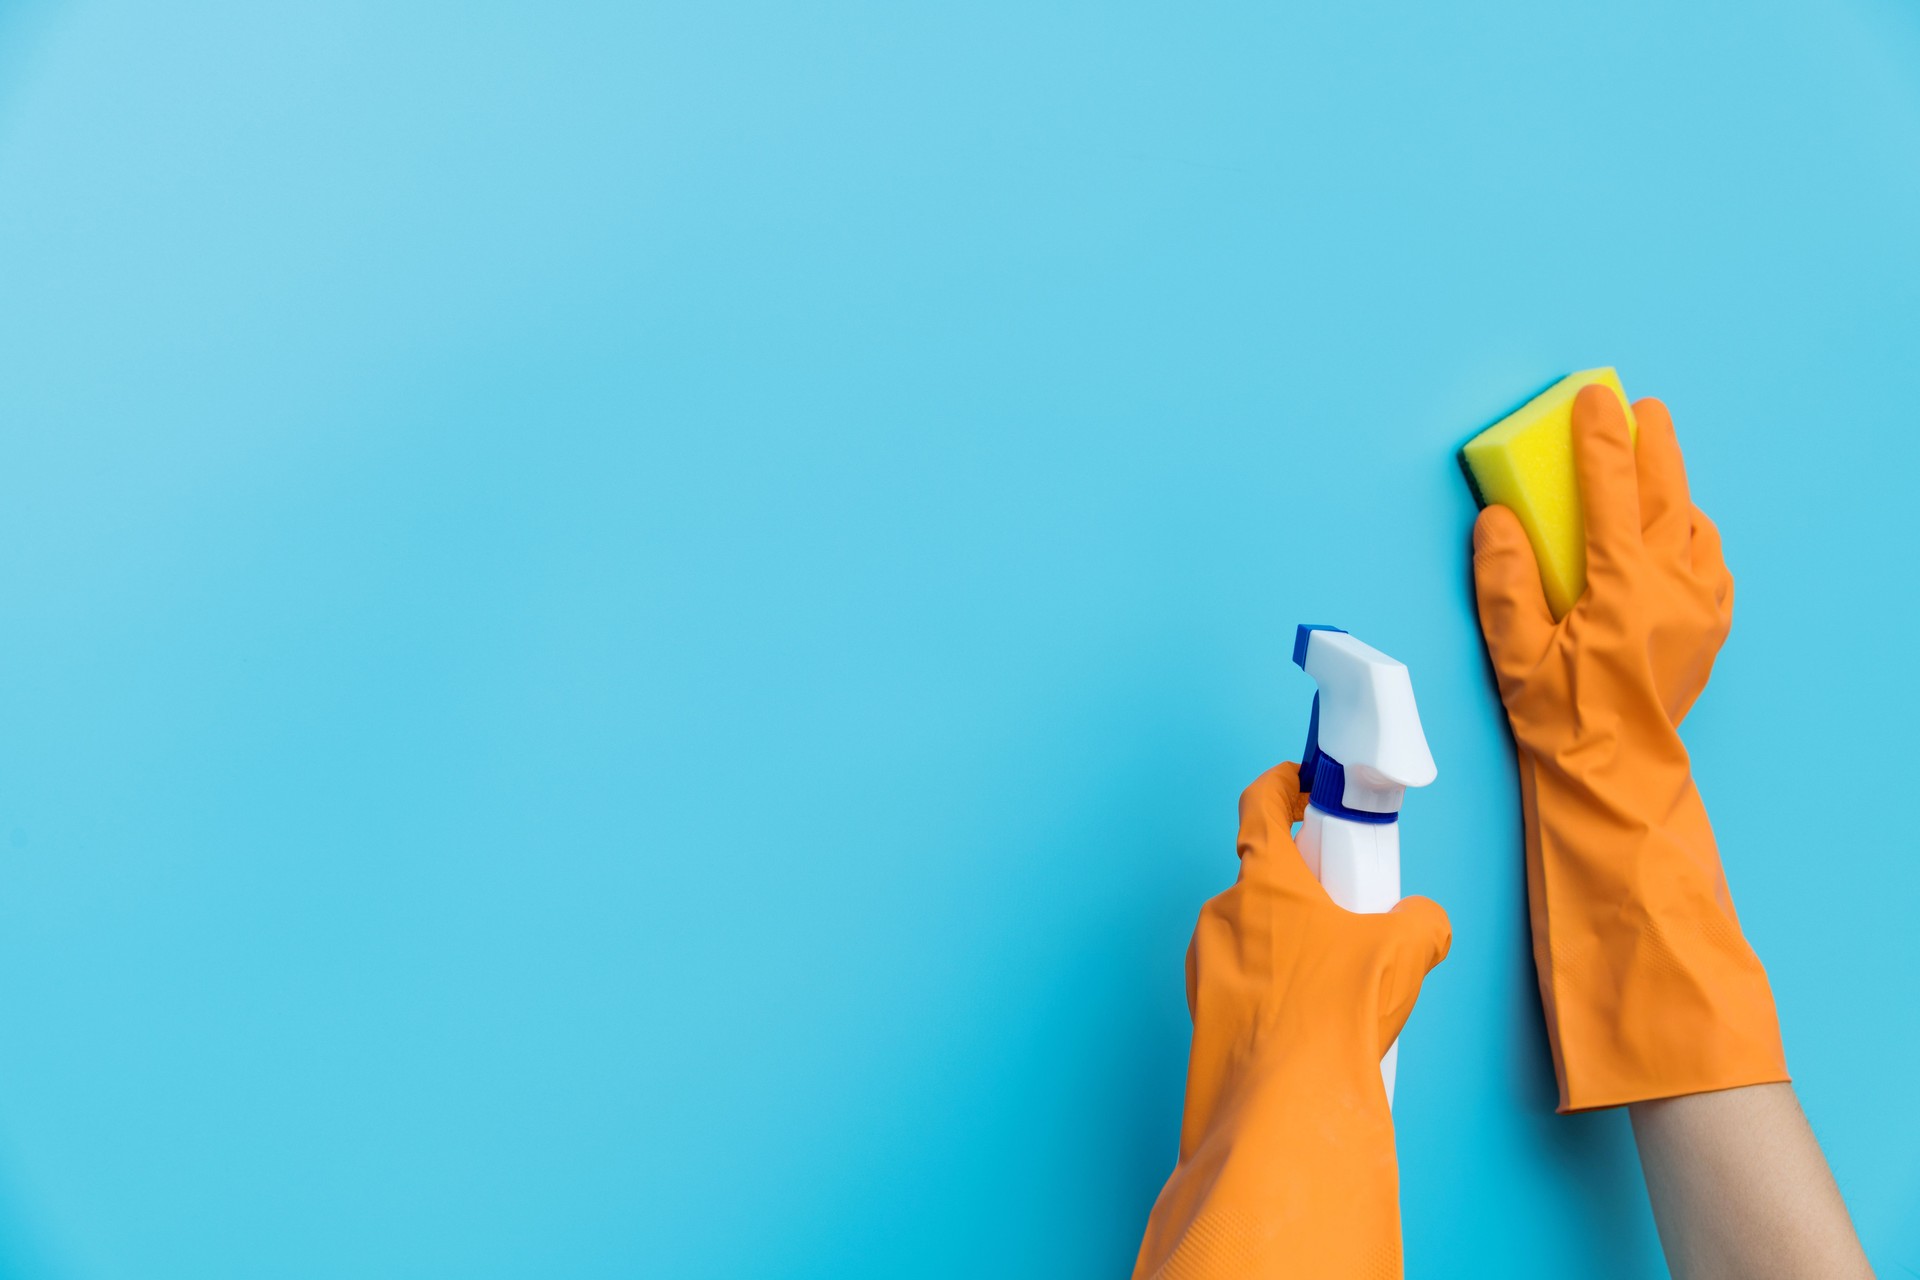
628,632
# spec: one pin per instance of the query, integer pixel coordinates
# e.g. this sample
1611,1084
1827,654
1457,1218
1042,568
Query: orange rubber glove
1651,990
1286,1148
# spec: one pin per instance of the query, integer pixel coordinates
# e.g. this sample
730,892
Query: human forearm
1740,1188
1653,996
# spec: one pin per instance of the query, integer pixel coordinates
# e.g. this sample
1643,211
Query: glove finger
1666,512
1268,810
1609,481
1418,937
1514,615
1708,556
1710,567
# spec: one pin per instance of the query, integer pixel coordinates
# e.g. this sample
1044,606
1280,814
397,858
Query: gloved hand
1286,1147
1650,988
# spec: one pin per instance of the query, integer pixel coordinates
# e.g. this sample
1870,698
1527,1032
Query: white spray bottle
1365,747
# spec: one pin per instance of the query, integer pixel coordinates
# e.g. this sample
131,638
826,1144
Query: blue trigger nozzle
1310,757
1303,634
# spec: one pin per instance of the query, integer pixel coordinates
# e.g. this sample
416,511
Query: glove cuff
1649,986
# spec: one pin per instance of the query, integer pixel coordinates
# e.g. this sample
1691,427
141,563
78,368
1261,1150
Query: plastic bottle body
1358,863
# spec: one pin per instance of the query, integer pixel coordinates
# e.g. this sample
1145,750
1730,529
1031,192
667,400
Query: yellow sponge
1525,462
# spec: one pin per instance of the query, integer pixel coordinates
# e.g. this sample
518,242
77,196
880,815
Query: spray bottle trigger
1310,756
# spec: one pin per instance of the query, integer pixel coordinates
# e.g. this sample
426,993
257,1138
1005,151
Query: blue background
630,631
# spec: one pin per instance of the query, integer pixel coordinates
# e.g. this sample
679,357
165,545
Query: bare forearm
1740,1188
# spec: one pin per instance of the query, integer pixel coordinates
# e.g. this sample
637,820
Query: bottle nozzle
1365,746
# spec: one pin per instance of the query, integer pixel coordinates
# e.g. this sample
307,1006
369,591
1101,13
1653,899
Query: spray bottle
1365,747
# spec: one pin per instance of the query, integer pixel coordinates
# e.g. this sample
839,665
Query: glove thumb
1514,615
